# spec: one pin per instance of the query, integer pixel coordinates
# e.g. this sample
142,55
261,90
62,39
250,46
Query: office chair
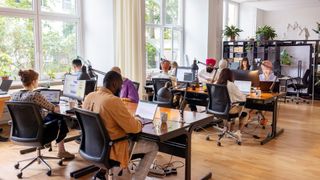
220,105
298,85
95,133
158,83
28,130
136,85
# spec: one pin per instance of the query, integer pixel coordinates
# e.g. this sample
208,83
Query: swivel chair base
40,159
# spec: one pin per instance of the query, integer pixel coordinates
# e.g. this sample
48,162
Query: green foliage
172,11
151,53
266,32
318,28
5,65
21,4
231,31
285,57
152,14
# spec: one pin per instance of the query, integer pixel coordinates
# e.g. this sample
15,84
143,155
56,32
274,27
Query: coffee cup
163,117
258,93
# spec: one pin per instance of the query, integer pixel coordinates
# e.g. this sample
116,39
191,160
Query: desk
267,102
174,137
3,99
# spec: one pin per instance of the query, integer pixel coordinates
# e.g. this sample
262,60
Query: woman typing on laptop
29,79
226,78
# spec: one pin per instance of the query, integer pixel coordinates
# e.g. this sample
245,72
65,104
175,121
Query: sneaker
66,155
239,135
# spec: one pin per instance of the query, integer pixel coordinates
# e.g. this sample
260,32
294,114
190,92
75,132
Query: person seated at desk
165,95
207,75
128,91
119,122
77,67
165,67
59,129
222,65
244,65
226,77
173,70
267,73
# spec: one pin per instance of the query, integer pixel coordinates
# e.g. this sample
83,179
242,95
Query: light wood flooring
293,155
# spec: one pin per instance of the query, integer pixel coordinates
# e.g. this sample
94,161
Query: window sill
18,85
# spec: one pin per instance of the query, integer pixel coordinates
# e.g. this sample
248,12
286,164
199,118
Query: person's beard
209,69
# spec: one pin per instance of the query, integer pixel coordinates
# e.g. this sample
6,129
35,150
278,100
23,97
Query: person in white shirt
207,75
267,73
226,77
174,66
165,67
222,65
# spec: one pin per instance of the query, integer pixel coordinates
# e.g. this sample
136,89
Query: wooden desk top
5,97
173,126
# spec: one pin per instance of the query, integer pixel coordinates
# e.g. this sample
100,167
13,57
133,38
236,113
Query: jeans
57,128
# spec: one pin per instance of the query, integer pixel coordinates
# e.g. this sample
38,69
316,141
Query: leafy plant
265,33
231,31
285,57
5,65
318,28
51,74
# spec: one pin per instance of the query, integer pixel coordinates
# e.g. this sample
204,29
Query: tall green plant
231,31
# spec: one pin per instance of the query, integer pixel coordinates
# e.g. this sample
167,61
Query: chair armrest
118,140
49,123
240,103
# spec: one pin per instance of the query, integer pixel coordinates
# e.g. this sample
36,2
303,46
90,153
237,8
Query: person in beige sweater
119,122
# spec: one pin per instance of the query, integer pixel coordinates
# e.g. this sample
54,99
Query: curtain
130,39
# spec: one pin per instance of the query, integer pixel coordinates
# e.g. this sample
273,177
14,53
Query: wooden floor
293,155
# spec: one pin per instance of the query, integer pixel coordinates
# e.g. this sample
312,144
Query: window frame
226,13
163,25
37,16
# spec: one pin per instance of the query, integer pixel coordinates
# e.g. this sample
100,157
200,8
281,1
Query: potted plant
317,30
5,66
231,31
265,33
285,57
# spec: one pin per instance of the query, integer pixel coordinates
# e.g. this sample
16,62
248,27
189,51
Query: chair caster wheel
219,143
208,138
246,125
19,175
239,143
263,127
16,166
49,173
60,163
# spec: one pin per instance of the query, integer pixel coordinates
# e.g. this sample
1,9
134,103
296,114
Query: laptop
5,86
244,86
266,86
146,111
52,95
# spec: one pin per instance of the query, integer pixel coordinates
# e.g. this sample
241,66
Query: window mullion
38,52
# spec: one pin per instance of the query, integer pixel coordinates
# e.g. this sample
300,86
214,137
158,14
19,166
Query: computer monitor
90,86
184,74
74,88
252,76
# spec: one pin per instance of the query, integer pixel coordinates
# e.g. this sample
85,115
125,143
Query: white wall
196,29
98,33
247,21
305,17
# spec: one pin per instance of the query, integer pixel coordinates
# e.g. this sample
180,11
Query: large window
39,34
164,31
230,13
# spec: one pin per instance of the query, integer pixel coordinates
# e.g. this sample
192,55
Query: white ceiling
272,5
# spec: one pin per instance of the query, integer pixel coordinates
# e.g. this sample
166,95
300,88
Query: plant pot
232,38
5,78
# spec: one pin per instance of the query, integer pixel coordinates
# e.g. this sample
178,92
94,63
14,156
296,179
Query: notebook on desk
5,86
52,95
244,86
146,111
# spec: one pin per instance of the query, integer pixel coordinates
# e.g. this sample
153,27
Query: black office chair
219,105
136,85
158,83
299,84
28,130
95,145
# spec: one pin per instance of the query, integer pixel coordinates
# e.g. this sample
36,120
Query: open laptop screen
146,110
52,95
244,86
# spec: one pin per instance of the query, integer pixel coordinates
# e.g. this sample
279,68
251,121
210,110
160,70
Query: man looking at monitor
119,122
206,75
77,67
